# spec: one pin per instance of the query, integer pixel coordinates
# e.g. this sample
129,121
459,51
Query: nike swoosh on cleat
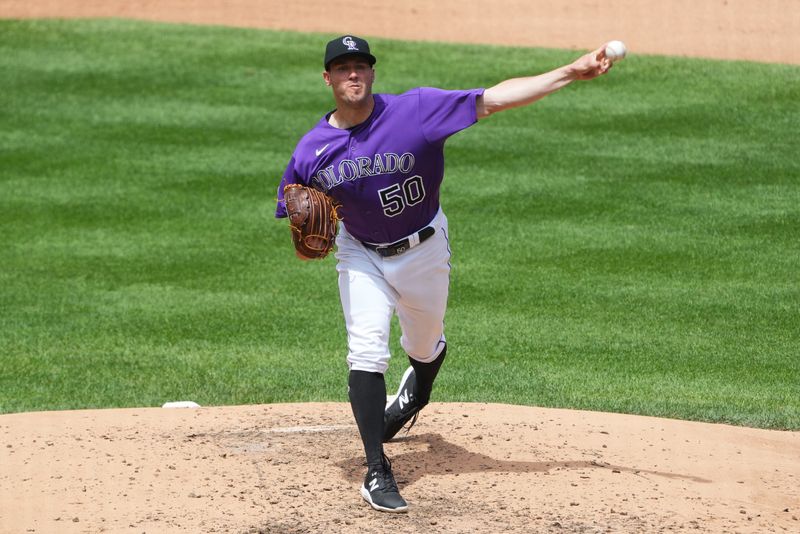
321,150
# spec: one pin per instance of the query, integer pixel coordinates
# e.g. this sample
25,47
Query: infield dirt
296,468
464,468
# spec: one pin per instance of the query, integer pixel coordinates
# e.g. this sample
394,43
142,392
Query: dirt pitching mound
464,468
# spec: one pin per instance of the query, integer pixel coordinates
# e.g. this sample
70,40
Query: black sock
426,374
368,401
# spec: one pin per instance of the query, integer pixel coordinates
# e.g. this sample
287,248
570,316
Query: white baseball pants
413,284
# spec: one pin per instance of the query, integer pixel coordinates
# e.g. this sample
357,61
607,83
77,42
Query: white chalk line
307,429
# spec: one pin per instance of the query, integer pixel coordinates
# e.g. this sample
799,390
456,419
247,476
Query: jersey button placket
353,142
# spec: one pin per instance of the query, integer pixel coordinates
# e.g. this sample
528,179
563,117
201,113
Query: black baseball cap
347,45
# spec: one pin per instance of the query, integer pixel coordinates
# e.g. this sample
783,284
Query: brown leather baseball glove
312,219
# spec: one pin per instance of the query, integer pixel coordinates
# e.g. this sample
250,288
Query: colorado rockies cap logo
351,44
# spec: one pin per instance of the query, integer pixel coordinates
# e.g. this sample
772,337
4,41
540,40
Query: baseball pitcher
378,159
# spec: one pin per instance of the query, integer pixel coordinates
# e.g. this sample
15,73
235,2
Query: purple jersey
386,172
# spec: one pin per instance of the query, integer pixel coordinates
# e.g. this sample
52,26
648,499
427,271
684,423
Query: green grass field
630,244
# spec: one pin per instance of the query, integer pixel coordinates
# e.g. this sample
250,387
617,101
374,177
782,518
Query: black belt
404,244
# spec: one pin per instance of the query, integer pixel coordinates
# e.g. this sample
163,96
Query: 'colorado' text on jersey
386,172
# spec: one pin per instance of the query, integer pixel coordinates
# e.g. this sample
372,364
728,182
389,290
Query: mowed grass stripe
628,244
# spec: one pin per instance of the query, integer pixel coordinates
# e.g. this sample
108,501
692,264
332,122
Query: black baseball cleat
380,489
403,408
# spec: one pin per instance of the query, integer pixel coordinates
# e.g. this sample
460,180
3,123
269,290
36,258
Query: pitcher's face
351,79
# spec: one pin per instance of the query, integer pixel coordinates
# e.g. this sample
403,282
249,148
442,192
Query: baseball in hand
616,50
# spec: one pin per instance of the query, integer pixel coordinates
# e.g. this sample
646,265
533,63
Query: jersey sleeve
443,113
290,176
